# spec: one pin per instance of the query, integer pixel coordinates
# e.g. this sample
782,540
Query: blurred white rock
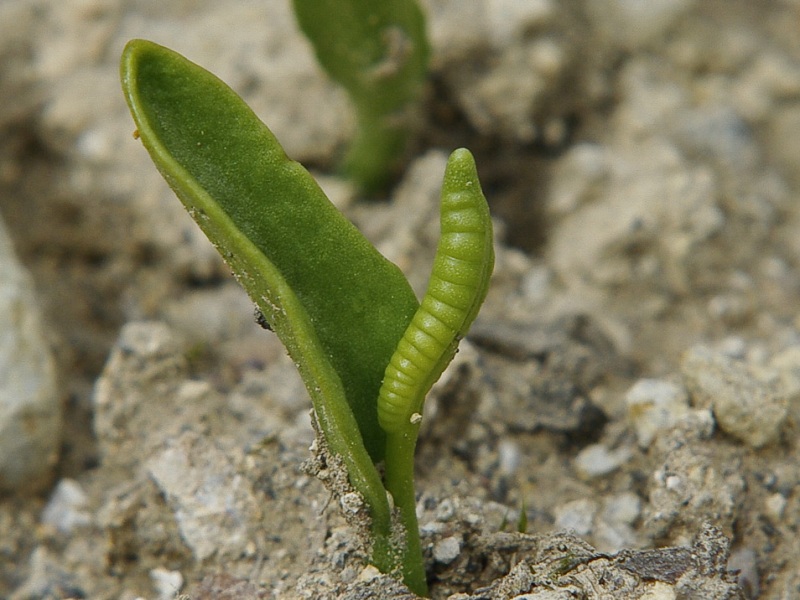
597,460
655,405
67,507
577,516
30,410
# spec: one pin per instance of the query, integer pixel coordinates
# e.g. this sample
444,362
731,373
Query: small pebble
655,405
536,284
510,457
577,516
368,573
774,506
623,508
596,460
351,503
66,508
167,583
734,346
447,550
445,511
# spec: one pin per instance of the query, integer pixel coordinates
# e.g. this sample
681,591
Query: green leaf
456,290
338,306
378,51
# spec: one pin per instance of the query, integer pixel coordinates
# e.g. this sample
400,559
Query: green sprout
378,52
367,351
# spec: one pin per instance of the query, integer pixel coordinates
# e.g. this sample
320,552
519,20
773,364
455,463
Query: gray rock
746,407
134,410
30,411
543,372
696,571
696,482
215,507
621,197
482,48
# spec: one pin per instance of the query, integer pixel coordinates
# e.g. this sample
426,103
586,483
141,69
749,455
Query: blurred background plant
377,51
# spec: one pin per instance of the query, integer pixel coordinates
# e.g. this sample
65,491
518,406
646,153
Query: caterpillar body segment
456,289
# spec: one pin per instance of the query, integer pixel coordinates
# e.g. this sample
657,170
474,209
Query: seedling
367,351
378,52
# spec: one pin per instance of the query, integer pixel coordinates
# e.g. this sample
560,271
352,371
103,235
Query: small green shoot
522,519
522,522
347,316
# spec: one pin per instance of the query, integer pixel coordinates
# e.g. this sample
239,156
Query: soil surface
632,384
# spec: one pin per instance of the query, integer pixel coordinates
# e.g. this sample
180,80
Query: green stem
375,151
399,481
383,554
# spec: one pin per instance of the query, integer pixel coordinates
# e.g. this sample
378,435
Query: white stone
215,507
447,550
774,507
67,507
597,460
30,409
623,508
510,457
167,583
445,510
577,516
368,573
655,405
351,503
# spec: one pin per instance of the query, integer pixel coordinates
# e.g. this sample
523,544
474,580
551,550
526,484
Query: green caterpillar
456,289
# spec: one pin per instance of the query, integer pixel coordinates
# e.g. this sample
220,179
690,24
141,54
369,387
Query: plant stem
375,151
399,481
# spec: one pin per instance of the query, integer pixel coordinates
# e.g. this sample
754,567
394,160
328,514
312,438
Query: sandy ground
634,377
